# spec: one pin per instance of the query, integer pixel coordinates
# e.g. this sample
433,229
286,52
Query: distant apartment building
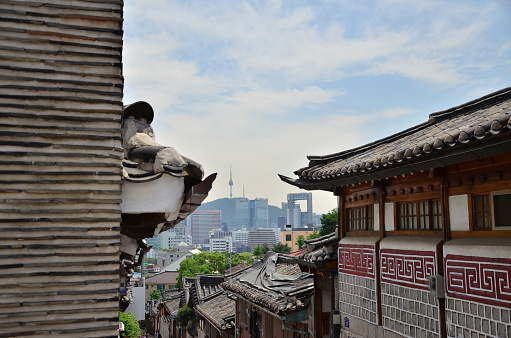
240,236
261,236
171,238
290,235
220,244
153,242
203,221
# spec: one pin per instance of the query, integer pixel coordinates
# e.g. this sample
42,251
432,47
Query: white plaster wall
359,240
479,247
162,195
458,213
376,216
410,243
389,216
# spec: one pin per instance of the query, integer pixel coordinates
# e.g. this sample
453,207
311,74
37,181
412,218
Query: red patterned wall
479,279
357,260
407,267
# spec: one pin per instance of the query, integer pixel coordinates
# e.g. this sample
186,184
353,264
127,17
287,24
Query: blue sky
259,85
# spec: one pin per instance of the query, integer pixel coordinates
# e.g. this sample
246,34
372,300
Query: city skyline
260,86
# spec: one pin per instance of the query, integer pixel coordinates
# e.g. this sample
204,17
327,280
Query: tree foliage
329,221
131,327
313,235
185,316
300,241
239,258
261,250
281,248
203,263
155,294
150,260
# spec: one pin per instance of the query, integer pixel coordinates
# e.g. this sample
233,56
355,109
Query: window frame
418,216
492,209
368,221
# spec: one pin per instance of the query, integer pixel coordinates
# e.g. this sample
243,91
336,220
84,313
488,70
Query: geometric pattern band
408,268
480,279
357,260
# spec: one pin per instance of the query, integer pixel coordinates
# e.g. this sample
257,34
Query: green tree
261,250
329,221
131,327
281,248
300,241
239,258
185,316
313,235
149,260
203,263
155,294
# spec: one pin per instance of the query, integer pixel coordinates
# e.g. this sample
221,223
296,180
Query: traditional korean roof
167,277
171,300
321,249
279,287
473,130
219,311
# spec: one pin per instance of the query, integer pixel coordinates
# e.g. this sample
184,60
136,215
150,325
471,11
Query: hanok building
273,299
424,211
76,171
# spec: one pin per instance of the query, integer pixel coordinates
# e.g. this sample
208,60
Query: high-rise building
203,221
294,213
242,212
261,236
259,213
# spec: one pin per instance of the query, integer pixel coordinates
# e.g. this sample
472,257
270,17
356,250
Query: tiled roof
219,310
279,287
473,130
167,277
321,249
171,300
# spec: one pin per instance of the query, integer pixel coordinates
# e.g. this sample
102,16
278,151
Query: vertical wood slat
60,167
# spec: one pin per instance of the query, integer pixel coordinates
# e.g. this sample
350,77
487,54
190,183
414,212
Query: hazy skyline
260,85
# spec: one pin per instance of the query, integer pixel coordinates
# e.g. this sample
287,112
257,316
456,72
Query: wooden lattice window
360,218
491,210
420,215
481,212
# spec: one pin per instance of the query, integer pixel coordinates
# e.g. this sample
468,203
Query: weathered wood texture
61,91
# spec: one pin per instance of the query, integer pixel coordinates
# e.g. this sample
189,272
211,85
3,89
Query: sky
256,86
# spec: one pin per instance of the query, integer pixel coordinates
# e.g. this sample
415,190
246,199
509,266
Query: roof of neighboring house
321,249
171,301
476,129
279,287
167,277
219,310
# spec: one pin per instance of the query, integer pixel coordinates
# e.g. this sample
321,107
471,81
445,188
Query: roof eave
468,152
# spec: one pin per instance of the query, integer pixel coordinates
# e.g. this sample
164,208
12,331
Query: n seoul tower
230,180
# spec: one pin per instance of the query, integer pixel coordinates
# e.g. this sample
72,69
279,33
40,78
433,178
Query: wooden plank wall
61,91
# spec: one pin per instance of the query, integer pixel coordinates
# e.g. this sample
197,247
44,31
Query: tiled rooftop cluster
358,296
409,312
469,319
321,249
219,310
456,127
291,290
